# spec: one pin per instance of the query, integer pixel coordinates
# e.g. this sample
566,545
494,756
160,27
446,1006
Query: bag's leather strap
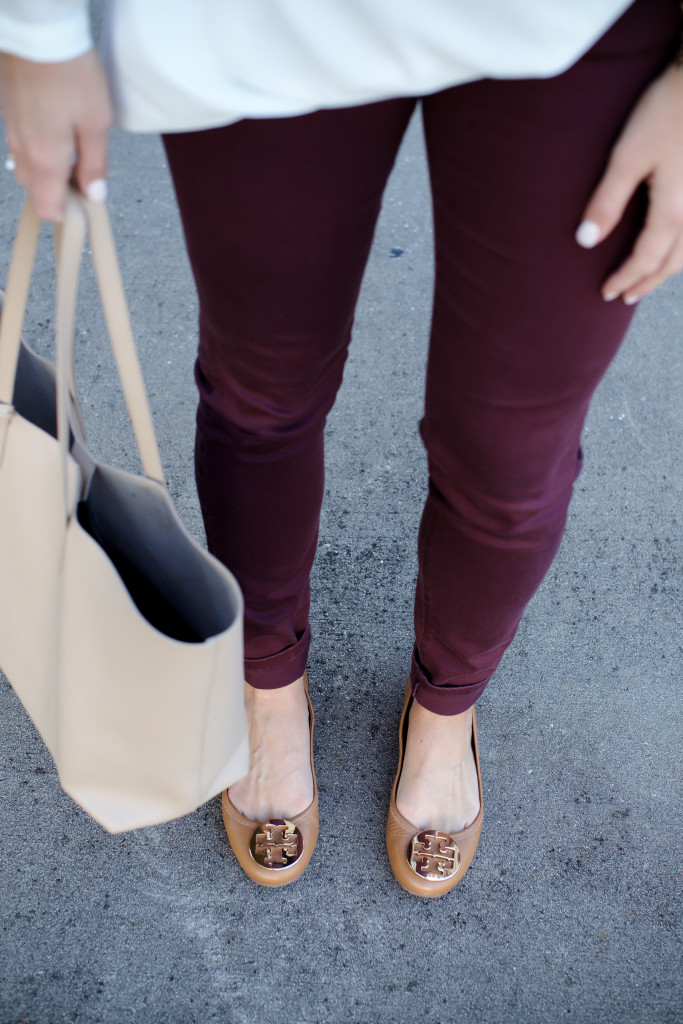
69,242
118,324
78,423
14,304
79,211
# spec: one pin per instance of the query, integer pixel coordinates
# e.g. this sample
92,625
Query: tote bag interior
134,523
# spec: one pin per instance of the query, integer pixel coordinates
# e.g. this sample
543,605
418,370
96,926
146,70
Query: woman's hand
57,118
650,150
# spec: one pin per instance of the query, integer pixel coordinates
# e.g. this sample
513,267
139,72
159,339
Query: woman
542,144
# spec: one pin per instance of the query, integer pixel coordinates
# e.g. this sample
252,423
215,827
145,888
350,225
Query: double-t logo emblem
433,855
276,843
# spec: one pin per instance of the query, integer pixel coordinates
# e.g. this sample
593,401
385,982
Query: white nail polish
610,297
587,234
631,300
96,191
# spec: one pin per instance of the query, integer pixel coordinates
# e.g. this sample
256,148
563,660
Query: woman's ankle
438,787
280,781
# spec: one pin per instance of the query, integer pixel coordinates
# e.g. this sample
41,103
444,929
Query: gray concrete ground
572,908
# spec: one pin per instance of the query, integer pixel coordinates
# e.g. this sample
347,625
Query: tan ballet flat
428,862
274,852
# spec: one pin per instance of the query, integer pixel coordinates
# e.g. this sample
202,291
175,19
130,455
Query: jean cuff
279,669
445,699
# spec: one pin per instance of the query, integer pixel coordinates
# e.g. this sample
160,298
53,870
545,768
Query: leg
520,340
278,216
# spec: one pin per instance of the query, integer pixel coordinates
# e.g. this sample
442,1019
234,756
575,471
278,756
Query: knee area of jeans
489,517
258,429
503,501
230,411
515,456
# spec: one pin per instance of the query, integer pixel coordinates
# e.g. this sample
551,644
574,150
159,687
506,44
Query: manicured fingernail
610,296
630,300
588,234
96,191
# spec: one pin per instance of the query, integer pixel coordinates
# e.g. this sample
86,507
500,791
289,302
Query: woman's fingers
57,118
670,265
43,169
607,204
649,151
91,162
650,255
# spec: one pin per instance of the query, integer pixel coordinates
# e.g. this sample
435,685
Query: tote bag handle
79,213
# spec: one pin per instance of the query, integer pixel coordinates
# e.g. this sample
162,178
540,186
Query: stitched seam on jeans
266,668
425,603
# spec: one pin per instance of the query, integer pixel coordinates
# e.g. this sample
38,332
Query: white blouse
187,64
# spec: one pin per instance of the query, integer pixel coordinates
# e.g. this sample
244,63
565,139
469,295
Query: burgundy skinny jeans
279,216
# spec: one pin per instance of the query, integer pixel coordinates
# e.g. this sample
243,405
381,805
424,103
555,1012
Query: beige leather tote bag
120,635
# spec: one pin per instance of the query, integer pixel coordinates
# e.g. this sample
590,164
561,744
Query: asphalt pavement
571,910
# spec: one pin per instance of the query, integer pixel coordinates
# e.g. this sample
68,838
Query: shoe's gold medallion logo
433,855
276,843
